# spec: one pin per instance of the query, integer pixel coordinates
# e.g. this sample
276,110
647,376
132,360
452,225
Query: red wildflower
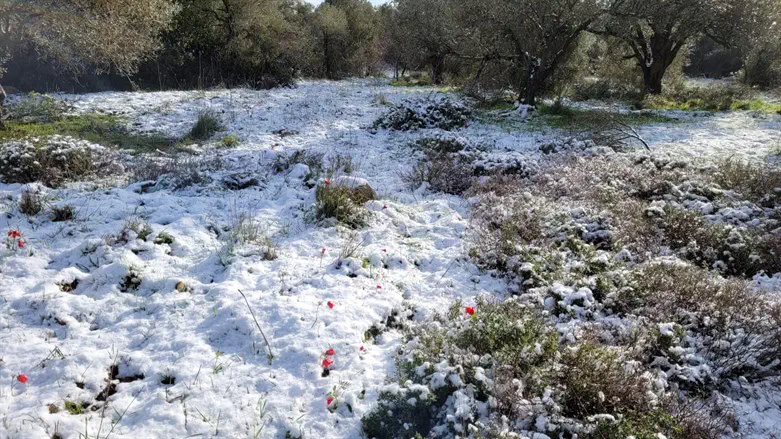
379,287
330,351
330,304
329,400
327,182
327,362
22,378
361,348
385,206
21,244
322,251
385,250
470,310
14,233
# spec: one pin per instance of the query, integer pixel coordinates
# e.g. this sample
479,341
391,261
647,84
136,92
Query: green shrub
207,124
343,203
230,140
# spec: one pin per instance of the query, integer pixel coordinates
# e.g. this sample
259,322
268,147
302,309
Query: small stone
181,287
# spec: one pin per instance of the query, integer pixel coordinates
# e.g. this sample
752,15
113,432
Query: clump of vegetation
445,114
436,145
343,203
132,280
562,117
247,232
443,173
704,315
340,164
500,366
207,124
31,202
178,171
95,128
63,213
712,98
75,408
163,238
52,162
37,108
759,182
413,81
736,252
134,228
230,140
313,160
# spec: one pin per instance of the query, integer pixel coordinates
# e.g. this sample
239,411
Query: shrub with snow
500,369
444,114
52,162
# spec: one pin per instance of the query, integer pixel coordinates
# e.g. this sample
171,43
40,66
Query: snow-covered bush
443,173
442,144
706,330
499,369
313,160
444,114
760,182
733,250
37,108
177,172
51,161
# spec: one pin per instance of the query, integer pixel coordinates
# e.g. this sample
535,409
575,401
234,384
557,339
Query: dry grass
31,202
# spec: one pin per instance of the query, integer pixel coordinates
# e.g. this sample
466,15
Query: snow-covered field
191,359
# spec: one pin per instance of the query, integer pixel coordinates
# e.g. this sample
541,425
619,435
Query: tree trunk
437,68
2,107
531,87
653,76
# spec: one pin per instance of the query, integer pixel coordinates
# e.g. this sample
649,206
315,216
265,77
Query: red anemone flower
330,351
470,310
22,378
327,362
330,304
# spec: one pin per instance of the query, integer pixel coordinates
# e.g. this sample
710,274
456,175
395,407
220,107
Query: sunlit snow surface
206,338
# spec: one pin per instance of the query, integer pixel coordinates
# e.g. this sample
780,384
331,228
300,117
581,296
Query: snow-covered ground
204,340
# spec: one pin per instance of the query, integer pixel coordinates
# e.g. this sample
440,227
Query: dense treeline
528,46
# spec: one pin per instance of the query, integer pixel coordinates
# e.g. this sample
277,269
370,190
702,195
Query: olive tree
427,29
655,31
79,34
535,36
345,31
